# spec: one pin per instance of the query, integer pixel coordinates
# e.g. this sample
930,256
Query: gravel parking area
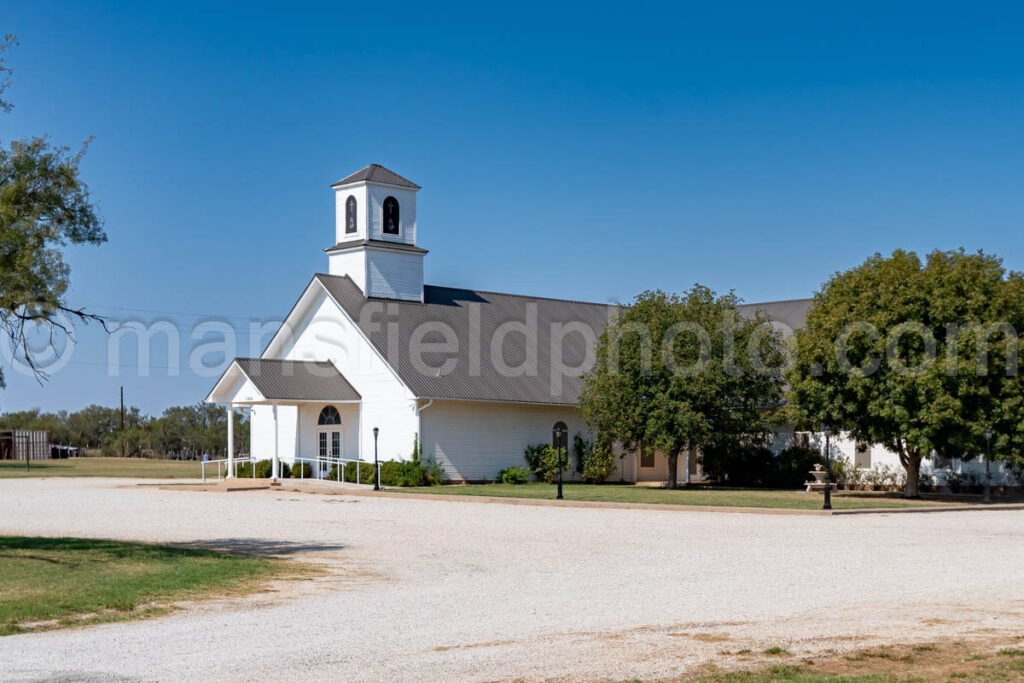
437,590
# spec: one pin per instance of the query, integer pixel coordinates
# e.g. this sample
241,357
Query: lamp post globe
376,464
827,431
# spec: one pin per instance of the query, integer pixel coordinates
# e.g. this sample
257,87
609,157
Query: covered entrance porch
304,415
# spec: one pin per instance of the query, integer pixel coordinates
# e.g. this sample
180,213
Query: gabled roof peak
375,173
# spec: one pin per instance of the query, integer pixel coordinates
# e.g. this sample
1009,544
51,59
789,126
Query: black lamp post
827,505
988,465
559,434
376,465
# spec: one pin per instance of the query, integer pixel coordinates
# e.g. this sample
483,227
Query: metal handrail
224,461
221,464
335,460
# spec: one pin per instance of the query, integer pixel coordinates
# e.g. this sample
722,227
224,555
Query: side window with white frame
862,456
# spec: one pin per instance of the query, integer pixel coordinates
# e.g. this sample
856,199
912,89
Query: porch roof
283,380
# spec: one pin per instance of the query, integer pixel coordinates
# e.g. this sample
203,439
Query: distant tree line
181,432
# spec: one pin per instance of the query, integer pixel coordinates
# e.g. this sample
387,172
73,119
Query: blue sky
586,152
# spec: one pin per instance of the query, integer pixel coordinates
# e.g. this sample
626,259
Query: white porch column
231,440
274,466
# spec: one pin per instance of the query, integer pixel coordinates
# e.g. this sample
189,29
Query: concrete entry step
227,485
239,484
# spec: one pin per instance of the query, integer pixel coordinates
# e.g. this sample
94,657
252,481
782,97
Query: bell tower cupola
375,234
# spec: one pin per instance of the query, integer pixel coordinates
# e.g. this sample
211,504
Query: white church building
370,355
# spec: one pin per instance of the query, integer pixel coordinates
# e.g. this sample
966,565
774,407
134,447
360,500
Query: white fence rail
319,467
222,466
321,464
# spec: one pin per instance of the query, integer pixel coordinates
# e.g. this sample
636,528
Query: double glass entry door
328,450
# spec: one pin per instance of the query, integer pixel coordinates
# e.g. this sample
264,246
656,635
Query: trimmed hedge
263,469
392,473
348,472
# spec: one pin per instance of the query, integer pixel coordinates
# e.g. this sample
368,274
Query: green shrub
840,470
581,448
392,473
399,473
433,473
263,468
598,464
544,461
348,472
363,470
302,470
514,475
284,470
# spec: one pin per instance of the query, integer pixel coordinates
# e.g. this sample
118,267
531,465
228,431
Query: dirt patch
470,646
702,637
974,661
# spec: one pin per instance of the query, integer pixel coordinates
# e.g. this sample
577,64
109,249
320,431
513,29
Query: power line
184,313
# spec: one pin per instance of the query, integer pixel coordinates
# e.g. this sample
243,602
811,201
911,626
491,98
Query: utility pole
122,421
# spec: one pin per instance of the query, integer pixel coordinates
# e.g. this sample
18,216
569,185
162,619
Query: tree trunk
673,463
912,464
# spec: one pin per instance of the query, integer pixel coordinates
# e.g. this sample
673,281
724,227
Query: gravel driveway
437,590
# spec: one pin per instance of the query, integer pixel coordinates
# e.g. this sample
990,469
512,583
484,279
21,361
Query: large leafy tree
44,206
918,356
678,372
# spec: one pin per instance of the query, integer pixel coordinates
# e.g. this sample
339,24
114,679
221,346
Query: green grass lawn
56,582
106,467
616,493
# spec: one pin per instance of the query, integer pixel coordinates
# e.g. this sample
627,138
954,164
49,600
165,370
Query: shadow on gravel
261,547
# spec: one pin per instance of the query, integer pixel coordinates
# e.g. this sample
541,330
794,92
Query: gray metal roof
297,380
791,313
464,311
375,173
380,244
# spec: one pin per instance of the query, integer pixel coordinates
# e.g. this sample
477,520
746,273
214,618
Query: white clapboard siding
406,213
362,210
351,263
262,432
307,441
324,332
473,441
394,275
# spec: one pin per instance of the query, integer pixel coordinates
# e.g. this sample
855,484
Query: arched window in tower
329,416
392,221
350,215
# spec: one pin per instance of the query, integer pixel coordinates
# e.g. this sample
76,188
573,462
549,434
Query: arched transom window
392,221
329,416
350,215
